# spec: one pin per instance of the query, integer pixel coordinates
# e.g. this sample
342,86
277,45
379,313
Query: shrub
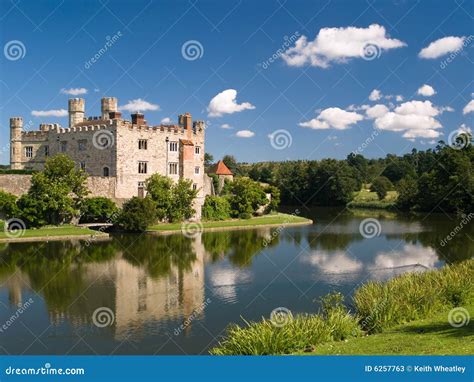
380,186
8,208
246,196
98,209
137,214
245,215
275,198
216,208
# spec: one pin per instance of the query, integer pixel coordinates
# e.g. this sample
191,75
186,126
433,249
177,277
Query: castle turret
16,126
108,105
77,107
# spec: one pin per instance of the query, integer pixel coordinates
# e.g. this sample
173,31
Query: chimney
138,119
115,115
185,121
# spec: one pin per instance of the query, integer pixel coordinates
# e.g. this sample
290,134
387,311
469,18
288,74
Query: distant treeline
435,180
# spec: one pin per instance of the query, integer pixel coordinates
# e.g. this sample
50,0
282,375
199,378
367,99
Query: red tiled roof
221,169
187,142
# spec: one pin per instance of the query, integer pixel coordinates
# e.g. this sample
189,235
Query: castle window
142,167
173,168
46,151
29,151
197,170
105,171
195,186
63,146
197,150
173,146
142,144
81,144
83,166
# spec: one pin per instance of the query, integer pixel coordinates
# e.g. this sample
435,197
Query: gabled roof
220,169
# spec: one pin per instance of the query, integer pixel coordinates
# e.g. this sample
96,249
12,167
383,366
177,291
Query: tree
231,163
8,208
381,185
208,159
246,196
407,193
55,195
216,208
159,188
182,197
98,209
137,214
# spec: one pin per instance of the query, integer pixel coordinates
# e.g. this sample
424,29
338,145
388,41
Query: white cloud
139,105
414,118
375,95
469,108
226,126
333,117
50,113
377,111
399,98
166,120
244,134
225,103
337,45
426,91
74,91
441,47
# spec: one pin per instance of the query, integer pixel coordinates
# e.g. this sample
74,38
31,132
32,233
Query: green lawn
367,199
64,230
433,336
255,221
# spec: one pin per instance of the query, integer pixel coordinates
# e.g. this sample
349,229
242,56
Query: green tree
216,208
182,197
98,209
381,185
8,208
231,163
407,193
208,159
55,194
246,196
159,188
137,214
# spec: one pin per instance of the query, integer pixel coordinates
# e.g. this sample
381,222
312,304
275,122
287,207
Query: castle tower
77,107
16,126
108,105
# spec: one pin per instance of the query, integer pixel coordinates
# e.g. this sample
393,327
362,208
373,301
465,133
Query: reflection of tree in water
158,254
331,241
55,268
239,246
434,233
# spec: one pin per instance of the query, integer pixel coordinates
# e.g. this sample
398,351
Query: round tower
16,126
108,105
76,107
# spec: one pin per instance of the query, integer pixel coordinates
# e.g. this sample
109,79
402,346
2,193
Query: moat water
143,294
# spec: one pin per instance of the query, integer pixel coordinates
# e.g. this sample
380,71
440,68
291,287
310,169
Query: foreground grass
278,218
64,230
380,307
367,199
432,336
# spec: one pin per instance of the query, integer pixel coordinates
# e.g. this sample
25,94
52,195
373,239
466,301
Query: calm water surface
176,295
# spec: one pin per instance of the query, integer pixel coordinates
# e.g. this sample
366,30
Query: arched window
106,171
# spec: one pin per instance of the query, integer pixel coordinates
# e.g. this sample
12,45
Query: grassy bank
49,231
378,308
274,219
367,199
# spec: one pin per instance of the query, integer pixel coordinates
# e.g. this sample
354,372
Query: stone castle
118,154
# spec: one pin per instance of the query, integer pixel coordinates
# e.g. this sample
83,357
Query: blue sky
302,69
